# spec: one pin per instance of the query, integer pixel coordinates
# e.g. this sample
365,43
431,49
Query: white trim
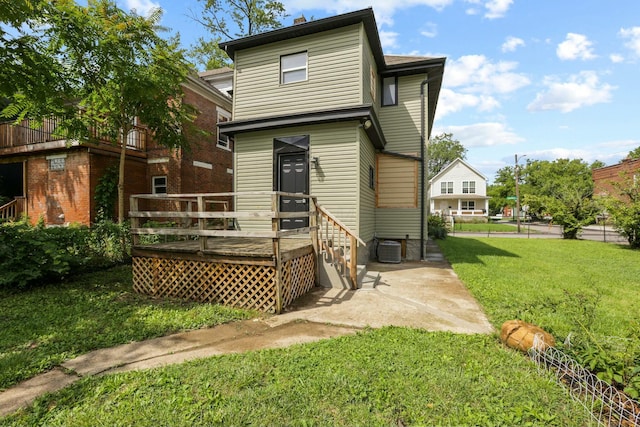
158,160
204,165
221,112
56,156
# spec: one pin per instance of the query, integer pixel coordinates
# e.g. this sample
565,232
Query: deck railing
339,243
8,211
192,217
30,132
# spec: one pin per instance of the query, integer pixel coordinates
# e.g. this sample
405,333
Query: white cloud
497,8
580,90
512,43
450,101
429,30
142,7
576,46
477,74
632,35
616,58
494,8
487,134
388,39
384,9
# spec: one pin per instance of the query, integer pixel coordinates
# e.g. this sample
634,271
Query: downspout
423,163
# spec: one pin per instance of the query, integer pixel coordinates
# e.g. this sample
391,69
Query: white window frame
285,71
468,205
155,186
223,141
468,187
446,187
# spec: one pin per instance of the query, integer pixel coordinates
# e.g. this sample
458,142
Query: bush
436,227
35,254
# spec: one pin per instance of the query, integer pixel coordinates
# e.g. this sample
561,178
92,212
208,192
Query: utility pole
516,170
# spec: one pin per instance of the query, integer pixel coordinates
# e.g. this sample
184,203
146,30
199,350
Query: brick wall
59,196
603,178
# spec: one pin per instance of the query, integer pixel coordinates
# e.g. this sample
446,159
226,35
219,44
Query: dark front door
293,178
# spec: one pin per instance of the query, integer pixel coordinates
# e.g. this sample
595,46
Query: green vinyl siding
401,127
401,123
367,63
334,182
333,68
367,225
396,223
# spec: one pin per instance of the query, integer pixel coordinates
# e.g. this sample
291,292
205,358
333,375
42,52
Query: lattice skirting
237,285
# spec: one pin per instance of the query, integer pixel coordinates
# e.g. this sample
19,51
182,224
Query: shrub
436,227
35,254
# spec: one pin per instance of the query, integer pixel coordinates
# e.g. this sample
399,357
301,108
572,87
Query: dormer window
390,91
293,68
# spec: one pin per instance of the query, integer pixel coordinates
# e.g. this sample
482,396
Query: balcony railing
29,132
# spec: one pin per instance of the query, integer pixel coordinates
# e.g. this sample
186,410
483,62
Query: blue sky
547,79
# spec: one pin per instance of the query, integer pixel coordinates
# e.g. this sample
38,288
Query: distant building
48,177
604,178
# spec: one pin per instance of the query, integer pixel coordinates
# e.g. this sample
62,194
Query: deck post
135,221
201,223
353,262
314,235
275,227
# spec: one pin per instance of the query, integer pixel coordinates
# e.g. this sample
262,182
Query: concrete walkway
425,295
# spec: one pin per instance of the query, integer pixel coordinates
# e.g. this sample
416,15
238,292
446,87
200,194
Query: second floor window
293,68
390,91
446,187
468,187
223,140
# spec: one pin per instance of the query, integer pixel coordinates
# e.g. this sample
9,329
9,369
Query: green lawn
393,376
551,283
486,227
41,327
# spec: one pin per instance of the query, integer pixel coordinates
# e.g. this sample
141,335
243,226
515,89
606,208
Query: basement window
159,185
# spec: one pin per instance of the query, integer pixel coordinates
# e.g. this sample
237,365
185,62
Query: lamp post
518,192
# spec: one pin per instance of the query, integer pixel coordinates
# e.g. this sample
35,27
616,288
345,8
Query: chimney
300,20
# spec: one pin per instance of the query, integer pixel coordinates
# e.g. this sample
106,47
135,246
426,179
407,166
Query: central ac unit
389,251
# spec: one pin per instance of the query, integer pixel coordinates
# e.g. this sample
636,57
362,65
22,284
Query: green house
319,109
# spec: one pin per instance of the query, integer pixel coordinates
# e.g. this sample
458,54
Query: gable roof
451,165
387,65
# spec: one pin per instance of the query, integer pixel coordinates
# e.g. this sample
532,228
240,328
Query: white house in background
459,190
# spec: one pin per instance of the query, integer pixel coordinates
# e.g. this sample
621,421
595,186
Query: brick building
54,179
603,178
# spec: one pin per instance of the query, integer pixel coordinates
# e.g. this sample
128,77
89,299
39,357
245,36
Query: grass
484,227
550,282
43,326
391,376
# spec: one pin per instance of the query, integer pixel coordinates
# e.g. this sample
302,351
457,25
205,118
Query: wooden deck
264,268
239,250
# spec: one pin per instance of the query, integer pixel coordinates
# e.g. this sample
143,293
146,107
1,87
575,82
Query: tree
442,150
634,154
625,209
503,186
231,19
563,189
113,70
